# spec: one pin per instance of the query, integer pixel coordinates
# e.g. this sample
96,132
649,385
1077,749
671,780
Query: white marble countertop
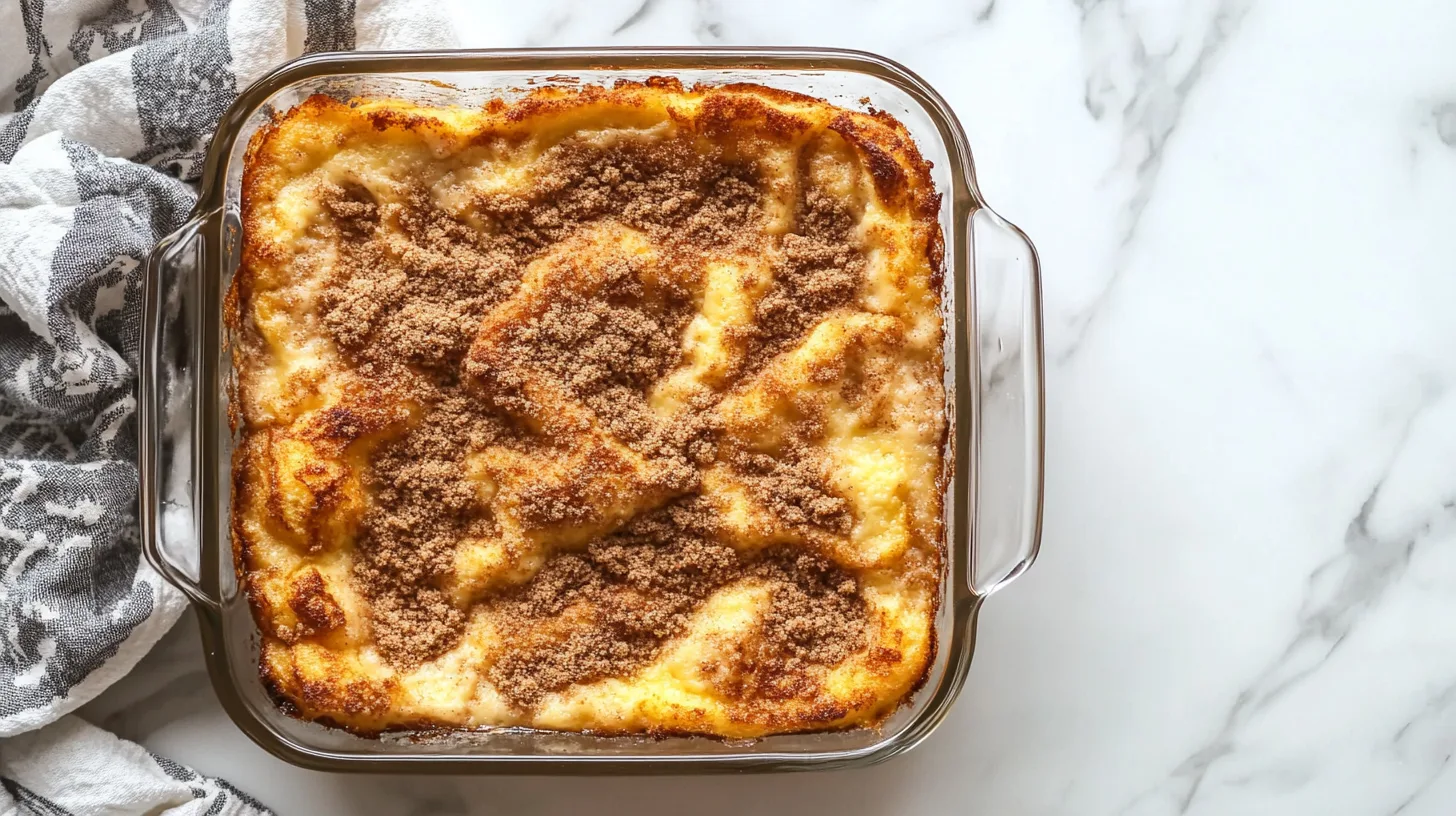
1247,588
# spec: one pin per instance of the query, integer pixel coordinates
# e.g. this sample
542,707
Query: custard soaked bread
612,410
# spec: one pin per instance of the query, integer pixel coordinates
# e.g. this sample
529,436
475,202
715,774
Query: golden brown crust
702,331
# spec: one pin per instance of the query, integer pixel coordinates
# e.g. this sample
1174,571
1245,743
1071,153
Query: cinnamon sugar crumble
423,505
821,268
414,293
606,611
794,487
814,618
631,591
408,295
666,188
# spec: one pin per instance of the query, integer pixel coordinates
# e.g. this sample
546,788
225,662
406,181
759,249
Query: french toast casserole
612,410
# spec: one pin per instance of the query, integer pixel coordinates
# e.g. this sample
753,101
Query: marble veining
1143,84
1337,592
1246,601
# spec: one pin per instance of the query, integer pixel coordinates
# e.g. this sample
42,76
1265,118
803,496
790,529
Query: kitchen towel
71,767
108,106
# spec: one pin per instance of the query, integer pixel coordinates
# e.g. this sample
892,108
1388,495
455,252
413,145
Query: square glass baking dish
993,379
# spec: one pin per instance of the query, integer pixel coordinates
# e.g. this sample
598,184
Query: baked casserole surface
617,410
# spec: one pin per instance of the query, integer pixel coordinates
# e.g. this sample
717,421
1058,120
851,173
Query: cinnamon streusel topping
630,423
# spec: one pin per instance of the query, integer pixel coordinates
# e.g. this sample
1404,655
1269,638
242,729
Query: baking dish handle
1008,498
166,401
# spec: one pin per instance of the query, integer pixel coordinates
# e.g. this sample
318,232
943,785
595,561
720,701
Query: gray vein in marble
1001,371
637,16
1424,786
708,21
1366,567
954,31
951,29
1445,118
1150,111
1441,704
1280,372
550,28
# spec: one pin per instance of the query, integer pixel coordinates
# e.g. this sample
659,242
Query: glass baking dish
993,378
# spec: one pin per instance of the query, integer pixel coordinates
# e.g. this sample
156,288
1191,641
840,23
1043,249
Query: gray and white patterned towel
106,109
71,767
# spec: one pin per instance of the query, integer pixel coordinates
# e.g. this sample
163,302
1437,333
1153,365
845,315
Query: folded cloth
71,767
106,110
